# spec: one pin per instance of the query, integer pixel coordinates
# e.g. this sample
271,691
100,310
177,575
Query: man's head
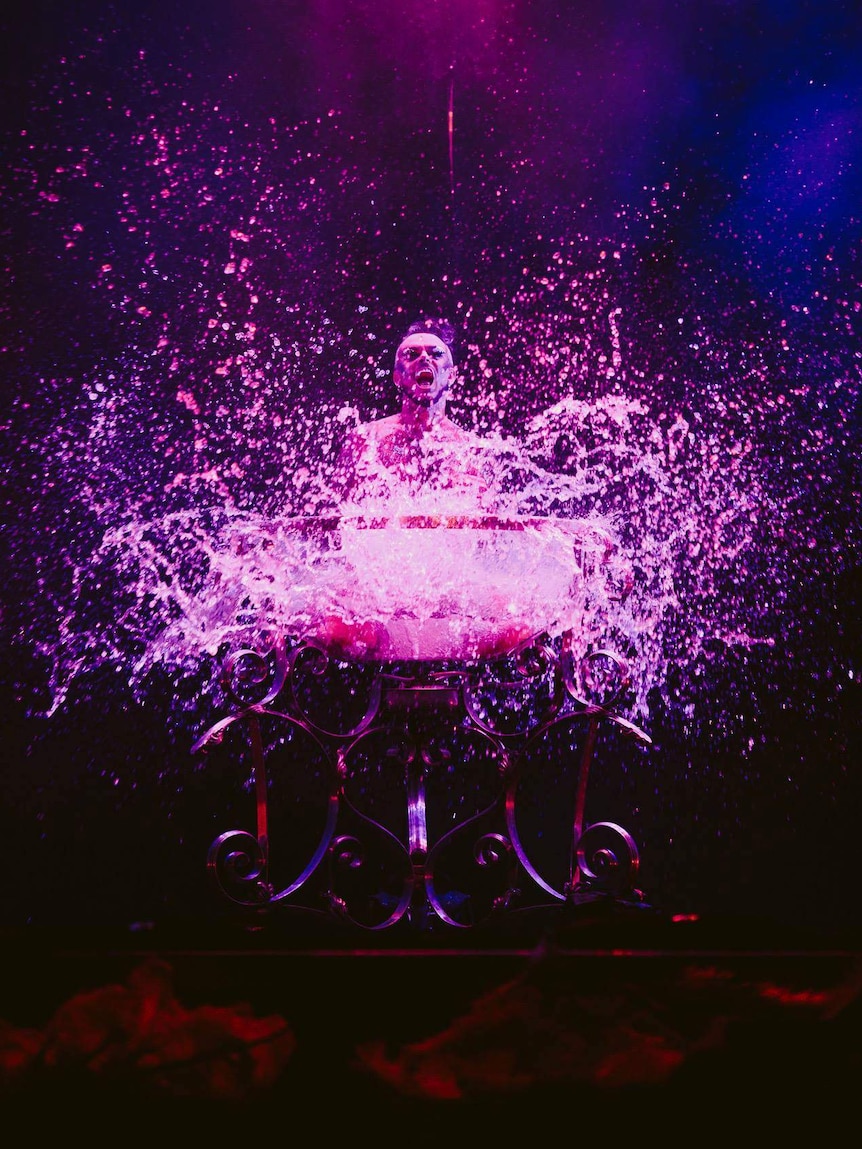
442,328
424,365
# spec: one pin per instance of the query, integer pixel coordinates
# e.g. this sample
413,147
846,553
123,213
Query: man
415,464
420,451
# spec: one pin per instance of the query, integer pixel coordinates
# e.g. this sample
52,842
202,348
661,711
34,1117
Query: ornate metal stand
419,793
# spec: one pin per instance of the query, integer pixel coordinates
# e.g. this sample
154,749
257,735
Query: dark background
697,166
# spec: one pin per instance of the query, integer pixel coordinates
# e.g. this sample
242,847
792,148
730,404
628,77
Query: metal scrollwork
237,862
314,675
598,678
512,694
608,859
604,677
254,678
426,777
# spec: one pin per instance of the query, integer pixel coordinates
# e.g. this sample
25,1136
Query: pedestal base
417,793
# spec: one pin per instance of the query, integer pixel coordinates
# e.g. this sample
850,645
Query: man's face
423,368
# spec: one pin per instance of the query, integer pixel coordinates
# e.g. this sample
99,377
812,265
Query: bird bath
385,591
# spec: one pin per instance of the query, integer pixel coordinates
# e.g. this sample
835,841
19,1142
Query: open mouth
425,376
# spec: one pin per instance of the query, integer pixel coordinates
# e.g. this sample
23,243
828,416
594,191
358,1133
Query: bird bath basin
440,587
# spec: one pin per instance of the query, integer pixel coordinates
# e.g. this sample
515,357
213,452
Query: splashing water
223,353
215,578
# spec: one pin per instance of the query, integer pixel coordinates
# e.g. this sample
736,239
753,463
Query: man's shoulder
375,429
483,444
451,430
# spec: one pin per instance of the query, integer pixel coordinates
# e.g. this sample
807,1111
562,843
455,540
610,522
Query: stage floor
609,1020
